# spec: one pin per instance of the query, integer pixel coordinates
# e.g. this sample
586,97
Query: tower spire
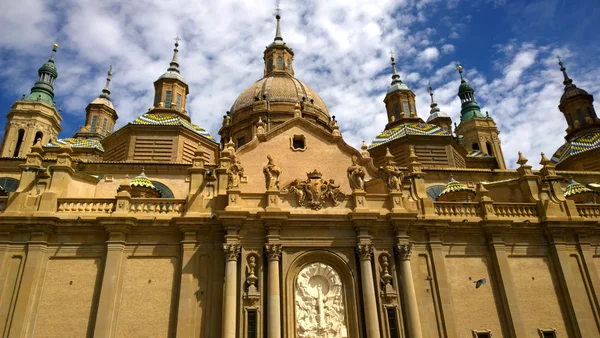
395,75
174,65
43,90
466,93
434,105
567,80
278,17
106,92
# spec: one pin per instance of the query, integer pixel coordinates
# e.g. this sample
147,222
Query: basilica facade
281,229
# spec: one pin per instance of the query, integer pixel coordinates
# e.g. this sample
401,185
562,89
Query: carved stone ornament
272,172
320,308
404,251
252,295
235,172
387,292
232,251
391,174
314,192
364,251
356,175
273,251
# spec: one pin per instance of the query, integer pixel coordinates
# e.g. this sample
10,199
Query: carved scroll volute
273,251
252,295
387,285
232,251
365,251
404,251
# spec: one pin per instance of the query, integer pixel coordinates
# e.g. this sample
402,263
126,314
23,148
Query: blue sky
507,49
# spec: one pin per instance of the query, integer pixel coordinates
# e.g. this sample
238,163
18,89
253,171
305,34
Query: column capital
232,251
273,251
365,251
404,251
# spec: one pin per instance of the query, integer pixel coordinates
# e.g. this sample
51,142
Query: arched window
434,191
280,62
289,65
580,117
269,65
489,149
475,146
164,190
38,136
19,141
9,184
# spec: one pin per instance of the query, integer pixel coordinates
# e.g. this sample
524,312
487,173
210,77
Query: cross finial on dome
395,75
106,92
174,65
278,17
434,105
567,80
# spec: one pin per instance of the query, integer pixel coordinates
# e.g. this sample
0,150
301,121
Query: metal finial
278,17
567,80
54,48
460,71
395,75
106,92
174,65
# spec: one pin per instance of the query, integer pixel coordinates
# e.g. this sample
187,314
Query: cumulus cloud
341,51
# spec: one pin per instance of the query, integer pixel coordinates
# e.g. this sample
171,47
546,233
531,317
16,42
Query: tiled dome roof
170,120
76,143
408,129
584,142
279,88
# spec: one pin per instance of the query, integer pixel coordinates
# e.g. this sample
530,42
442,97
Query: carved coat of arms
314,192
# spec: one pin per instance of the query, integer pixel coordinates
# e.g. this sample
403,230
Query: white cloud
429,54
448,48
454,35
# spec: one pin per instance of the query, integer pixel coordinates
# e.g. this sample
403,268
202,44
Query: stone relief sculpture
391,173
356,175
235,172
252,295
315,191
320,308
272,172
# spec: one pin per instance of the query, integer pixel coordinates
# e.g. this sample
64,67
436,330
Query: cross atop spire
395,75
434,105
106,92
278,17
567,80
174,65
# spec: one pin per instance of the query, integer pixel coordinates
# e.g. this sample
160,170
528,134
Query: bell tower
278,55
35,116
100,115
400,101
479,131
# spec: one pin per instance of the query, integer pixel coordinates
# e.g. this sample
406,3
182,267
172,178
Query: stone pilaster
29,287
408,291
108,304
232,252
365,252
188,304
443,285
273,293
587,256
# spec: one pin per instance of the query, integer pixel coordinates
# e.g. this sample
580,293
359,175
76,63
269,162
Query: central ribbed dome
280,88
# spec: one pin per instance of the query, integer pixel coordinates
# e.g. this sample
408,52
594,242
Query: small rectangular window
580,117
178,102
104,123
547,333
391,315
482,334
168,99
396,111
156,99
94,123
252,324
406,110
241,141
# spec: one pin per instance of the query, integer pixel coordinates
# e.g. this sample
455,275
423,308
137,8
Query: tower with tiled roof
436,116
165,133
400,101
583,128
34,116
101,115
478,132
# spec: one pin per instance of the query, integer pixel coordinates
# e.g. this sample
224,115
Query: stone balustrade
92,205
589,210
160,206
457,209
515,210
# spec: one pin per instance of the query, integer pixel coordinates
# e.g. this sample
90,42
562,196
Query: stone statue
356,175
391,173
272,172
319,303
234,173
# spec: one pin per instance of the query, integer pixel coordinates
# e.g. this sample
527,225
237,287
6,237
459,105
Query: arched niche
349,292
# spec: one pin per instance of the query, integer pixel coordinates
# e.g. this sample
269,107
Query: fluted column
365,251
408,291
273,293
232,252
